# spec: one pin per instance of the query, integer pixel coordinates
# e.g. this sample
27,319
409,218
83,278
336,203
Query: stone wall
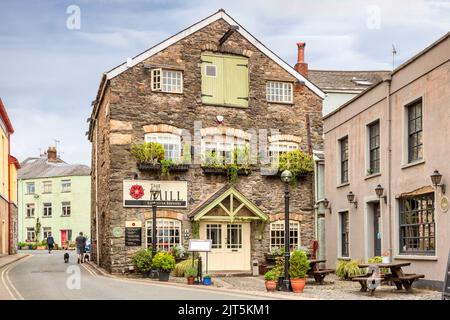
134,107
14,228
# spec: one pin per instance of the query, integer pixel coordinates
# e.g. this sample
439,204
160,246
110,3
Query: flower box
224,171
271,172
149,167
179,167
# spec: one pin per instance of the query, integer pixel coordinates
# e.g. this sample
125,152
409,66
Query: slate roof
32,168
346,80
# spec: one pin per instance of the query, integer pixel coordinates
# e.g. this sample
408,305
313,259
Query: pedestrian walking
81,244
50,242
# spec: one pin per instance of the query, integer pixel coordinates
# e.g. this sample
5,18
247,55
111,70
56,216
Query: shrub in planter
271,280
296,161
347,269
340,269
142,261
298,267
179,252
148,152
165,263
190,274
181,267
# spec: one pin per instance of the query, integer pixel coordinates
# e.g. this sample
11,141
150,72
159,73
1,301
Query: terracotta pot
190,280
271,285
298,285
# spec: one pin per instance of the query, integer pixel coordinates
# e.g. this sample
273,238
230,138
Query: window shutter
212,86
236,81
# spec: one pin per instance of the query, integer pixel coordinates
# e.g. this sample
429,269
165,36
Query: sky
52,59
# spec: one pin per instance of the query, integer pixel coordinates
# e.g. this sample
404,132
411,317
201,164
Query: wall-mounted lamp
351,199
326,204
135,176
379,190
436,180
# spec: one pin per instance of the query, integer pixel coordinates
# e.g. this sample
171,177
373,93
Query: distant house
341,86
54,197
8,200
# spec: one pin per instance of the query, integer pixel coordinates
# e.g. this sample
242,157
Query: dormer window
170,81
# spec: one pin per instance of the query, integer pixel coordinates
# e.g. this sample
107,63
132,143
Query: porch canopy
228,204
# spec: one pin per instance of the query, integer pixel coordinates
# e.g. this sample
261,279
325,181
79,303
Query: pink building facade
394,135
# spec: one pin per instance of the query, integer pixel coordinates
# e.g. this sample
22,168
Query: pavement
43,276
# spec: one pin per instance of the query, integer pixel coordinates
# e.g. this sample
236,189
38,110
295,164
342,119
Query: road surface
44,276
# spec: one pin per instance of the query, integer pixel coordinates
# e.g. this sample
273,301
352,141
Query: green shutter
236,81
212,87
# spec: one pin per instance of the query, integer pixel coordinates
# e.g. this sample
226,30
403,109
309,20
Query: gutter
9,197
389,113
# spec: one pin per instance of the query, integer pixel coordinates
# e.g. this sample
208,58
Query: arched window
170,142
277,235
219,143
168,234
278,147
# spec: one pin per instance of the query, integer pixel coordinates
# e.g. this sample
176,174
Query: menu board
133,237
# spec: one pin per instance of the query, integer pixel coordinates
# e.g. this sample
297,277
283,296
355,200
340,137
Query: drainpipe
9,197
389,195
96,193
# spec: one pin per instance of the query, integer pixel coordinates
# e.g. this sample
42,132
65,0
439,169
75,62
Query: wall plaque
173,194
133,237
444,204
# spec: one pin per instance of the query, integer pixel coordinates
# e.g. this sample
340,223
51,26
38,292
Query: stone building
209,88
392,137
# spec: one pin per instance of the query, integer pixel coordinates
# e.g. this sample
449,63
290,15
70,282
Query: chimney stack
301,66
51,154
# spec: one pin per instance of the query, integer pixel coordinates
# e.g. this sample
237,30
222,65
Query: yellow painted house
8,187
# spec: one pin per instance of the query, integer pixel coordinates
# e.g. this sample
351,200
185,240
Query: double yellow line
6,281
89,269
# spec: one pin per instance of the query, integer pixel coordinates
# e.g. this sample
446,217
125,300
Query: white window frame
30,210
47,208
46,231
66,185
47,187
278,147
29,185
224,145
218,228
31,231
66,206
279,226
167,139
163,225
279,92
169,81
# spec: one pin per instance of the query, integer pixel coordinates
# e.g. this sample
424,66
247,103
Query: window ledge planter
158,167
271,172
224,171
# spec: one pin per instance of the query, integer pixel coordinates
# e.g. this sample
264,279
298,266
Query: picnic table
316,272
397,276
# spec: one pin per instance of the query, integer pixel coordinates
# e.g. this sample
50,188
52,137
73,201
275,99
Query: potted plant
298,162
179,252
207,280
148,155
270,277
190,274
165,263
142,261
298,267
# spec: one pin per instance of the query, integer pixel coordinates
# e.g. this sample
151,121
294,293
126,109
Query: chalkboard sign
446,290
133,237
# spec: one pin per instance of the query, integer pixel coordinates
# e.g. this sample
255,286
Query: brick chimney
51,154
301,66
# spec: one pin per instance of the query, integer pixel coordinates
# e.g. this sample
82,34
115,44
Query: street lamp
351,199
326,204
286,177
436,180
155,190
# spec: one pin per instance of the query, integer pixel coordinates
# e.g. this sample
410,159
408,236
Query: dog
86,257
66,257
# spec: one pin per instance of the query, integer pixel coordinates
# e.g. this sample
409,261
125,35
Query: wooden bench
406,280
363,281
320,274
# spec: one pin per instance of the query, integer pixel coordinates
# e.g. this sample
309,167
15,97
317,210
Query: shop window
168,233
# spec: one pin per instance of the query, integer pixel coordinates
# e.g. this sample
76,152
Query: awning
417,192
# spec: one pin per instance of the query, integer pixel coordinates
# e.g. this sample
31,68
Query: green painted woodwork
230,85
233,210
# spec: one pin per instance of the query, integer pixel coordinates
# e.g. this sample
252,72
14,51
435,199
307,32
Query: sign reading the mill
172,194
